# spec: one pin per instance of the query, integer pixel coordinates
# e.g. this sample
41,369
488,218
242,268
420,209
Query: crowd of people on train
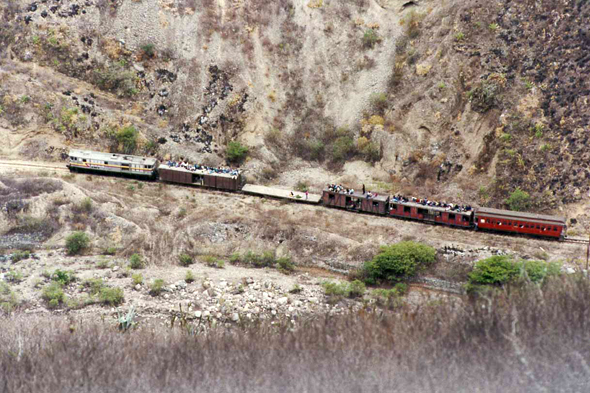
425,202
398,198
195,167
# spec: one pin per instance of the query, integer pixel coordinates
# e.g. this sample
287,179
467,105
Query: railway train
503,221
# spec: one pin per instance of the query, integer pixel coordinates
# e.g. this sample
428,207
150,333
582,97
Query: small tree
127,139
136,262
77,242
519,200
185,260
496,270
236,152
398,261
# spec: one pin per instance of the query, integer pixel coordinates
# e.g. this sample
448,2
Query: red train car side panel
516,222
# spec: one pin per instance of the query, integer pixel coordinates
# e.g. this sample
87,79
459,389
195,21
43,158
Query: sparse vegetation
111,296
185,260
236,152
77,242
63,277
336,291
502,269
148,50
53,294
126,137
136,262
20,255
157,287
371,38
8,299
189,277
459,36
518,200
137,279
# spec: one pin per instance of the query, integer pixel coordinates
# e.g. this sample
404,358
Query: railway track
36,166
576,240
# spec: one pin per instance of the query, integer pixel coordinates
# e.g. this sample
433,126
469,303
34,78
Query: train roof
122,158
198,171
434,208
498,213
356,194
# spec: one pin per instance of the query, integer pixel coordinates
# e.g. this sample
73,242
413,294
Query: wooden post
587,254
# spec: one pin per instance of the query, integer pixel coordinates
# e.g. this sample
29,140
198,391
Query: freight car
227,179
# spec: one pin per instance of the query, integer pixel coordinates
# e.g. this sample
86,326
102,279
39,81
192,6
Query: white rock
172,286
283,300
198,314
138,287
166,296
312,300
235,317
115,268
570,270
273,312
291,308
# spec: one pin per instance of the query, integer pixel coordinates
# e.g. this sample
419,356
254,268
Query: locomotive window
106,163
375,204
83,160
407,209
331,196
452,217
538,227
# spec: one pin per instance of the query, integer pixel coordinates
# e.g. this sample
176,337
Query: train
231,180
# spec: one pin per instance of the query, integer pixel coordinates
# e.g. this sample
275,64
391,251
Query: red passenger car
518,222
433,214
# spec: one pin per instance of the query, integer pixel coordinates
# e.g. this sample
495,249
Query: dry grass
519,340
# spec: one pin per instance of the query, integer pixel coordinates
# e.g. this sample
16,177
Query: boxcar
433,214
199,177
356,201
122,164
518,222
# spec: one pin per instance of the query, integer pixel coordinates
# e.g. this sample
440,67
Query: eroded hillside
462,99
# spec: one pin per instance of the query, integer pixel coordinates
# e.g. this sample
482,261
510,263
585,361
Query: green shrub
285,264
14,276
20,256
86,205
8,300
111,296
77,242
185,260
337,291
94,285
103,264
398,261
496,270
126,137
53,294
189,277
110,251
63,277
136,262
342,148
518,200
493,26
356,289
460,36
371,152
370,38
296,289
236,152
235,258
137,279
149,50
157,287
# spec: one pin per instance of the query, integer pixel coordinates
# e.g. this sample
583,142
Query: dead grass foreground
520,340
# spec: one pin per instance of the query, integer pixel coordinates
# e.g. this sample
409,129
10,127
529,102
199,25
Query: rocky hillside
463,100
